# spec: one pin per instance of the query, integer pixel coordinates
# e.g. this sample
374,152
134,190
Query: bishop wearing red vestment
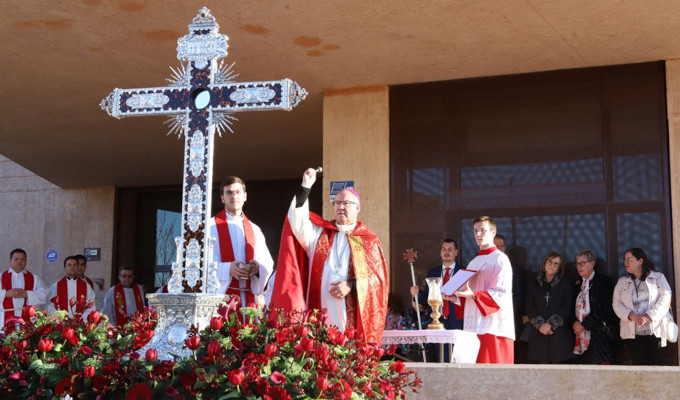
334,265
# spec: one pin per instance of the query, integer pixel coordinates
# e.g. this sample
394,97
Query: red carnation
171,391
151,355
88,371
193,342
398,367
216,323
45,345
140,391
235,377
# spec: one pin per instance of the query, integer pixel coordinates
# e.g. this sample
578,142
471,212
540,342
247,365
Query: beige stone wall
673,110
356,148
526,382
38,216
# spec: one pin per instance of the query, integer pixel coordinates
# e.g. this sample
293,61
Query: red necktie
445,308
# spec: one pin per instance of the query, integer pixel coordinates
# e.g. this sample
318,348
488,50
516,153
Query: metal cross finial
410,256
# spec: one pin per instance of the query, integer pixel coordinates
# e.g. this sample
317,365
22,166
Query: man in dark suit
449,252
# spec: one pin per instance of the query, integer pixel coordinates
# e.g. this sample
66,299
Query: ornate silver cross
201,98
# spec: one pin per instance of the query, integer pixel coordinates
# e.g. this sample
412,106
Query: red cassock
367,265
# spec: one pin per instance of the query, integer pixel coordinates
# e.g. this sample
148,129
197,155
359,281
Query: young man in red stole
19,288
125,299
96,284
334,265
240,251
485,302
71,287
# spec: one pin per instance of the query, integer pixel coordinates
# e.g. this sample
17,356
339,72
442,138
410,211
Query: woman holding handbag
642,300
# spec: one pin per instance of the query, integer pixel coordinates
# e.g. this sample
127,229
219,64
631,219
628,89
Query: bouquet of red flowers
292,355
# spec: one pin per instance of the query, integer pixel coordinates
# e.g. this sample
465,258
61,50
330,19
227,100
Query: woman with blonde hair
642,300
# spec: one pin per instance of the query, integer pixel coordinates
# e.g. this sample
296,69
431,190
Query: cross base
176,314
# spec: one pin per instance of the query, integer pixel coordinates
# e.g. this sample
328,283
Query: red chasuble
120,304
367,266
63,301
8,303
227,252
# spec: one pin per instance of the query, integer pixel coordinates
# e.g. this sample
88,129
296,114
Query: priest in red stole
240,250
19,288
337,266
124,299
485,302
71,287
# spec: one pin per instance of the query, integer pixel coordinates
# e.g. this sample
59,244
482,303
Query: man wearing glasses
124,299
240,251
595,321
485,302
334,265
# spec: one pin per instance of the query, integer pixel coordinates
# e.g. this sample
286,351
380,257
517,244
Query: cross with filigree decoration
201,98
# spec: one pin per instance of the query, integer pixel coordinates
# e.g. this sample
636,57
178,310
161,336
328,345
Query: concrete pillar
673,110
356,129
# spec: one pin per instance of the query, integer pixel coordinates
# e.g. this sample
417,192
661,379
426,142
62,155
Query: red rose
88,371
45,344
94,317
86,350
216,323
398,367
140,391
270,350
151,355
223,311
322,383
193,342
235,377
214,348
67,333
278,378
74,340
28,312
303,331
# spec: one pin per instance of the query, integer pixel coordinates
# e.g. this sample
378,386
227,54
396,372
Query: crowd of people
339,266
559,321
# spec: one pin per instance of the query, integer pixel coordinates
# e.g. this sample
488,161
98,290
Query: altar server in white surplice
485,303
20,288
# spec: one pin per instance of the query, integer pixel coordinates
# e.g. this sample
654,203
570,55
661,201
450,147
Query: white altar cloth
465,344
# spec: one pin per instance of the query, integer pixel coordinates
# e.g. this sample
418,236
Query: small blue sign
51,256
337,186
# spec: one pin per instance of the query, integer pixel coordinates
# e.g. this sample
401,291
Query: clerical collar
346,228
75,278
231,217
483,252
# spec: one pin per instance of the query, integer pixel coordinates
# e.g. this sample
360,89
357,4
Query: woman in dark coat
549,306
596,324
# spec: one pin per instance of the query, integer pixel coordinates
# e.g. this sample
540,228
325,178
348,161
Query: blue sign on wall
51,256
337,186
